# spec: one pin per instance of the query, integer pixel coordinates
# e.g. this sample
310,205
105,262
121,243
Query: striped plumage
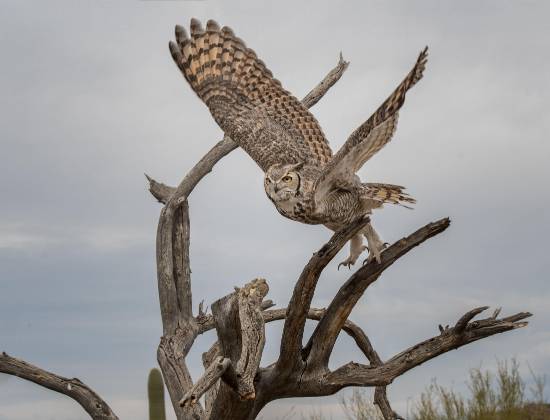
242,95
302,177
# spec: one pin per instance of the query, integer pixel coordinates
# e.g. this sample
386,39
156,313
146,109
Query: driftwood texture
234,385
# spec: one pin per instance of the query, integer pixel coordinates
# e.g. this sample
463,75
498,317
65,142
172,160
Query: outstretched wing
370,137
375,195
250,106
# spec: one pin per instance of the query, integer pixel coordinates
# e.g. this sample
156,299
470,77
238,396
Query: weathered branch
174,285
352,329
73,388
381,400
298,307
355,374
322,341
462,323
206,381
163,192
364,344
240,327
207,359
330,79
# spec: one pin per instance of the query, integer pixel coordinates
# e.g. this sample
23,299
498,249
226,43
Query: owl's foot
375,244
356,247
375,254
349,261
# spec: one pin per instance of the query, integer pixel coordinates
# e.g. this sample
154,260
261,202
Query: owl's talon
346,263
355,250
372,257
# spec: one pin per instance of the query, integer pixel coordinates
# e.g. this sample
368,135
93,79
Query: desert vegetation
500,395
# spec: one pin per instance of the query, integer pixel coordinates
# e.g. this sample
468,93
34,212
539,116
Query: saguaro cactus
155,392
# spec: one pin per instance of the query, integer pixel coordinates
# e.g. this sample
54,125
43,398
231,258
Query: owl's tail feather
217,63
388,193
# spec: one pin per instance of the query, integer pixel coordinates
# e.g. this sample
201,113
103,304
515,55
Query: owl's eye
287,178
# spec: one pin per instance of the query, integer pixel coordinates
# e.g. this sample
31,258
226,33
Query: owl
303,179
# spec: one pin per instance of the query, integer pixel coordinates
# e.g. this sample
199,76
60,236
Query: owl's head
283,181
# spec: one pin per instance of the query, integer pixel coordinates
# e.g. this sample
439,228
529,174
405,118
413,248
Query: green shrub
499,396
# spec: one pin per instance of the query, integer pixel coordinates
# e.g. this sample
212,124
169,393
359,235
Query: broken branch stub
240,326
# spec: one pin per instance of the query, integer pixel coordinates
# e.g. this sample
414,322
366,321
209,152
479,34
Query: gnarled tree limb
293,330
330,79
240,327
322,341
355,374
209,378
73,388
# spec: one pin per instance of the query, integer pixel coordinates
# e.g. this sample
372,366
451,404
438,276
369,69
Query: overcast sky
91,100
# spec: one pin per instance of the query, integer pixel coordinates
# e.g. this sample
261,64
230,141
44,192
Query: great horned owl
302,177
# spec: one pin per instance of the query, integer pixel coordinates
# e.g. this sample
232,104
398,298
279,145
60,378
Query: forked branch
324,337
298,307
355,374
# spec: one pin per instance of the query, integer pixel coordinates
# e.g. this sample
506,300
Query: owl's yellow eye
287,178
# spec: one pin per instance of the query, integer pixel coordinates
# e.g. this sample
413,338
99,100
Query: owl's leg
356,247
375,244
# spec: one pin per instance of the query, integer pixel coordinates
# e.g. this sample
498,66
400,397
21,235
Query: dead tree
234,385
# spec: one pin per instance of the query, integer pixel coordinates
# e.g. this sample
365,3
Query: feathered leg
375,244
356,247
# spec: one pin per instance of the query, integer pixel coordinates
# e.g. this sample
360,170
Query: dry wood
209,378
240,327
207,359
293,330
322,341
73,388
355,374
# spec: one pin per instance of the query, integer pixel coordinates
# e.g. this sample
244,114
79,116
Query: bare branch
240,326
252,334
323,338
160,191
298,307
381,400
174,286
330,79
352,329
266,304
207,359
206,381
355,374
462,323
171,353
73,388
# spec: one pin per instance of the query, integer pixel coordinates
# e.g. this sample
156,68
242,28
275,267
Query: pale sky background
91,100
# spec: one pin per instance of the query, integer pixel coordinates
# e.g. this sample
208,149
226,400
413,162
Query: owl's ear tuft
296,166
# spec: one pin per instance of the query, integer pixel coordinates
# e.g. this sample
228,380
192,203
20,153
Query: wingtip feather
196,27
212,26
